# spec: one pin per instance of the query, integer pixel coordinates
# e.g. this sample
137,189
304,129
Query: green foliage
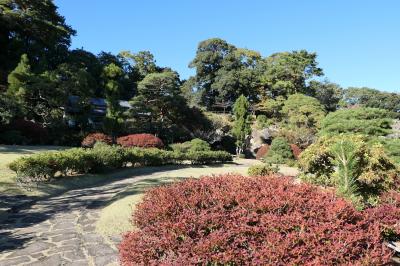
262,122
159,107
328,94
368,97
272,107
392,148
33,27
345,161
368,121
48,165
13,137
279,152
265,169
300,110
191,146
345,158
224,72
286,73
242,124
112,75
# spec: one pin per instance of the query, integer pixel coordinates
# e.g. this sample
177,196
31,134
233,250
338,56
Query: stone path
61,230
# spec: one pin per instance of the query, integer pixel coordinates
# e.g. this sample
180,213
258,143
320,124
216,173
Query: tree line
39,71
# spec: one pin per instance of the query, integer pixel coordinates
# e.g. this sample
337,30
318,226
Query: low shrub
90,140
349,163
236,220
262,151
279,152
13,137
262,170
193,145
35,133
140,140
47,165
263,122
295,150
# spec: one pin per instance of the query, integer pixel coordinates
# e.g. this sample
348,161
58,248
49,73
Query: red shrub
91,139
262,151
34,132
236,220
296,151
140,140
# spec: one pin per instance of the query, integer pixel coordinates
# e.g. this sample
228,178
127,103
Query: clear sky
357,41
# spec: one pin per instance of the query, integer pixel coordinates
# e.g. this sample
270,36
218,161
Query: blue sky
357,41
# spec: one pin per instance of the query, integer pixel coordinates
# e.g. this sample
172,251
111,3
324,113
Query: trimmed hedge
47,165
141,141
262,169
90,140
236,220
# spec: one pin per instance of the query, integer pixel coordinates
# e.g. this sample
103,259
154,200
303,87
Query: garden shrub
295,150
367,121
325,162
47,165
262,169
35,133
262,151
90,140
140,140
193,145
279,152
13,137
236,220
262,122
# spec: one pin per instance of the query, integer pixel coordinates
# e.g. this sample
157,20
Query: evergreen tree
242,124
20,80
112,74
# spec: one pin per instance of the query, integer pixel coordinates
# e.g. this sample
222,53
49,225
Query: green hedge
45,166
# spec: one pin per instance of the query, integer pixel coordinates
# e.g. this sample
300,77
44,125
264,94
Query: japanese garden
110,158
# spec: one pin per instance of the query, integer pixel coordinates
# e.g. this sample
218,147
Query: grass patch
115,219
9,153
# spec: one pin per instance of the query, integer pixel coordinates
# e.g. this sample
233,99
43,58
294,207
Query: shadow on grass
74,193
7,149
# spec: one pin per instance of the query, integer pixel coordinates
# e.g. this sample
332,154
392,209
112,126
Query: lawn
9,153
116,217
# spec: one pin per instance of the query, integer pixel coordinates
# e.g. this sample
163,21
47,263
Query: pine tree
20,79
112,75
242,124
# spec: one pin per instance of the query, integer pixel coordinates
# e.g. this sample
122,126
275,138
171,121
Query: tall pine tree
242,124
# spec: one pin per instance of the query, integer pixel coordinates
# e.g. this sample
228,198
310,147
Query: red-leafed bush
262,151
140,140
236,220
34,132
91,139
296,151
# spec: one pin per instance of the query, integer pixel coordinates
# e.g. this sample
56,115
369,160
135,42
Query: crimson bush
296,151
262,151
140,140
91,139
236,220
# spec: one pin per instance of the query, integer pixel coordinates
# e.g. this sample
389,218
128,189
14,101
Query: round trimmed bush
280,151
262,170
140,140
236,220
90,140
